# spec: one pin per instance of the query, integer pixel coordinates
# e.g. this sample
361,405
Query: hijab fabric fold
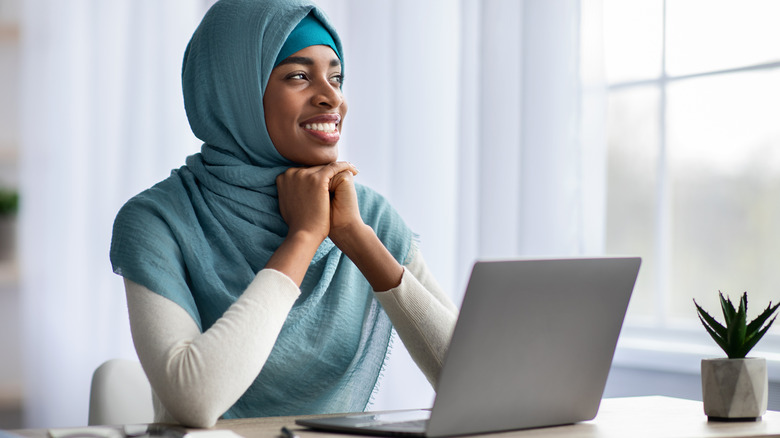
200,236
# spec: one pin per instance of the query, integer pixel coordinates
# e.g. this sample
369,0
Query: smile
322,127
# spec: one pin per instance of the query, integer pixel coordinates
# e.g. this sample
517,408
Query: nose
327,95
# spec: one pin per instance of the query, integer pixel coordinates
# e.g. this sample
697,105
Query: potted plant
736,387
9,204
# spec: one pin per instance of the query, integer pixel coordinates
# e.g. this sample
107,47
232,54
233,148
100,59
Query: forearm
361,244
294,255
198,376
423,315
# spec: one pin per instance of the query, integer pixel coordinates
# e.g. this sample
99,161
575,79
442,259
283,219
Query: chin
318,160
327,158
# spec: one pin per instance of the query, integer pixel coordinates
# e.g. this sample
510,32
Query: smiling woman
254,274
462,113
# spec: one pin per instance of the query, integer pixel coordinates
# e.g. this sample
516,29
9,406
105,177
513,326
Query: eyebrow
335,62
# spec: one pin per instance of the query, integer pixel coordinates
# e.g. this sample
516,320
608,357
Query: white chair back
120,394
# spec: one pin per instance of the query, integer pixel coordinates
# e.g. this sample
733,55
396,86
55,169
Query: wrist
348,237
304,239
360,243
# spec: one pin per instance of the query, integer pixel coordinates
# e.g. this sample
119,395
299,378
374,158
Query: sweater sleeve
196,376
423,315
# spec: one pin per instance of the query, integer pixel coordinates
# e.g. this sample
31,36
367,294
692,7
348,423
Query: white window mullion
663,210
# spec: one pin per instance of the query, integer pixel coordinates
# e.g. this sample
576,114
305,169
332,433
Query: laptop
532,347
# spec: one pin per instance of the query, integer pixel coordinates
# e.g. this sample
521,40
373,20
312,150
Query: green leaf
736,329
721,341
728,309
9,201
753,340
756,324
710,321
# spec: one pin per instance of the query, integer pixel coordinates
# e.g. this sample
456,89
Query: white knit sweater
196,376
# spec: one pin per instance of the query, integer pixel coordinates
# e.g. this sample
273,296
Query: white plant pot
734,389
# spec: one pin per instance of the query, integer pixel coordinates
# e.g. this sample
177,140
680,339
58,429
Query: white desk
634,417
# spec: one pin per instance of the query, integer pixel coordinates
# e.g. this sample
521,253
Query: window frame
660,342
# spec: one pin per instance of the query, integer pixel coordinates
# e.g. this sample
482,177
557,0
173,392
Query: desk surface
635,417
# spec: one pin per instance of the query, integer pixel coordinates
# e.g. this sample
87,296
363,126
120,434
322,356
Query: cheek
268,110
271,125
344,107
278,118
283,114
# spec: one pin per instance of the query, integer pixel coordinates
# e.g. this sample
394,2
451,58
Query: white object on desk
214,433
87,432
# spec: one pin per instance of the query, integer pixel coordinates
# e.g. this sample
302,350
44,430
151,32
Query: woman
254,273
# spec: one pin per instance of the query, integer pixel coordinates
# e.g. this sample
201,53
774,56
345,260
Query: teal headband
309,32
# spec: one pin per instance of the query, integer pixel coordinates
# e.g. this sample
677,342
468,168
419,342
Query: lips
322,122
324,127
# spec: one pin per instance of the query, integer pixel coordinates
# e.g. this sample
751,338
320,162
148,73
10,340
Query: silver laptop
532,347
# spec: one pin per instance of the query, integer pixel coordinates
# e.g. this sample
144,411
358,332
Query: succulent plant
9,201
738,337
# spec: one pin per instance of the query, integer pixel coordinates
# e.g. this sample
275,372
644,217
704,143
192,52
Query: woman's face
304,107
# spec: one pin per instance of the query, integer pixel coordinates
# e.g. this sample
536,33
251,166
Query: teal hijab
200,236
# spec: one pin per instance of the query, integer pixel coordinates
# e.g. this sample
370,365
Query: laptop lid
532,347
533,344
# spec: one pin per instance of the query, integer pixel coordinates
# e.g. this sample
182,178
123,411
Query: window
694,152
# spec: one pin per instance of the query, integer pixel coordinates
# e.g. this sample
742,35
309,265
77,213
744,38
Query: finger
340,166
304,176
341,177
290,172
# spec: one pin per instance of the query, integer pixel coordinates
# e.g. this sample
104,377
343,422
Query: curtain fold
483,122
476,118
102,119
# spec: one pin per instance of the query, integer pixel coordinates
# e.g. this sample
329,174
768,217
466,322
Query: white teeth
324,127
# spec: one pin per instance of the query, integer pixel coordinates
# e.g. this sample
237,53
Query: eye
297,75
337,78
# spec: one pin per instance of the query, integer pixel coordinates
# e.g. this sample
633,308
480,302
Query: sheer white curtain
468,115
483,122
102,119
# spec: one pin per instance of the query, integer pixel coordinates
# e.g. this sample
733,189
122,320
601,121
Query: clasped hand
320,200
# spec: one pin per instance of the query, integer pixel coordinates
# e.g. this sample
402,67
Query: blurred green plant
9,202
738,337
